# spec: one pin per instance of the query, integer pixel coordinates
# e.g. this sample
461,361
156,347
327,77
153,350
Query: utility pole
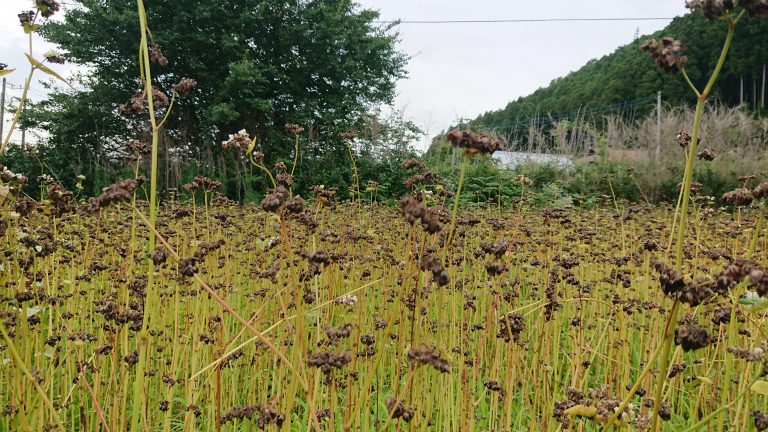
658,124
762,94
2,108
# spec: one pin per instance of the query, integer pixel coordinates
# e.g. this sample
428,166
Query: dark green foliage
626,81
259,64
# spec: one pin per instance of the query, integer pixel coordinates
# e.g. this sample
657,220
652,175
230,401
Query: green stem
23,367
687,180
456,201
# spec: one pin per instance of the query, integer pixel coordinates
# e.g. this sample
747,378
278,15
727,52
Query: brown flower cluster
712,9
413,164
184,86
237,141
433,264
761,191
329,360
755,7
413,211
266,415
425,355
398,410
510,327
761,420
474,142
139,102
61,199
52,57
278,198
26,17
706,154
138,147
157,56
666,53
673,285
294,128
121,191
739,197
47,7
691,338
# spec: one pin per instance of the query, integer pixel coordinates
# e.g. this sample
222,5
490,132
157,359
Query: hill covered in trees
626,81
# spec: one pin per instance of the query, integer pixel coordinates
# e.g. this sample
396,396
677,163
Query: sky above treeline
456,70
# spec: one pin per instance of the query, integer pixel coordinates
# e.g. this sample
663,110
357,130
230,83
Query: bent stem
687,180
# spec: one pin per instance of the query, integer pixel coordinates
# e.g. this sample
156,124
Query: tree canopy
627,80
259,65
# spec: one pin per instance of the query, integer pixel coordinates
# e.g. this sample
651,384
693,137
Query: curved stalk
687,180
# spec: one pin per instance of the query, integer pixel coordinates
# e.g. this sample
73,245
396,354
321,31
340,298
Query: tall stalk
668,334
139,404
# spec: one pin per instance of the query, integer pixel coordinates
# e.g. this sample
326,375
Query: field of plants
158,309
538,320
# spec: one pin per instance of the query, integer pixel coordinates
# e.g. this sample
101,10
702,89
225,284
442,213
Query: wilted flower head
294,128
423,355
120,191
238,141
474,142
138,147
47,7
54,57
706,154
183,87
666,53
755,7
691,338
761,191
349,136
739,197
712,9
26,17
139,102
157,56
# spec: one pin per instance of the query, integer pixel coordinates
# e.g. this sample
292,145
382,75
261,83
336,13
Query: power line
520,20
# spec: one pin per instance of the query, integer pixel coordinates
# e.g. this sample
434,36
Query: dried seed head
329,360
275,200
474,143
738,197
755,7
691,337
238,141
666,53
433,264
761,420
712,9
398,410
47,7
121,191
183,87
425,355
294,128
671,281
157,56
761,191
706,154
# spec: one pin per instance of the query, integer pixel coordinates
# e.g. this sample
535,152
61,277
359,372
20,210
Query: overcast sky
457,70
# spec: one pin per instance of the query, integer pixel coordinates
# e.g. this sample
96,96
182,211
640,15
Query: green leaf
37,64
581,411
760,387
5,72
33,311
28,28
